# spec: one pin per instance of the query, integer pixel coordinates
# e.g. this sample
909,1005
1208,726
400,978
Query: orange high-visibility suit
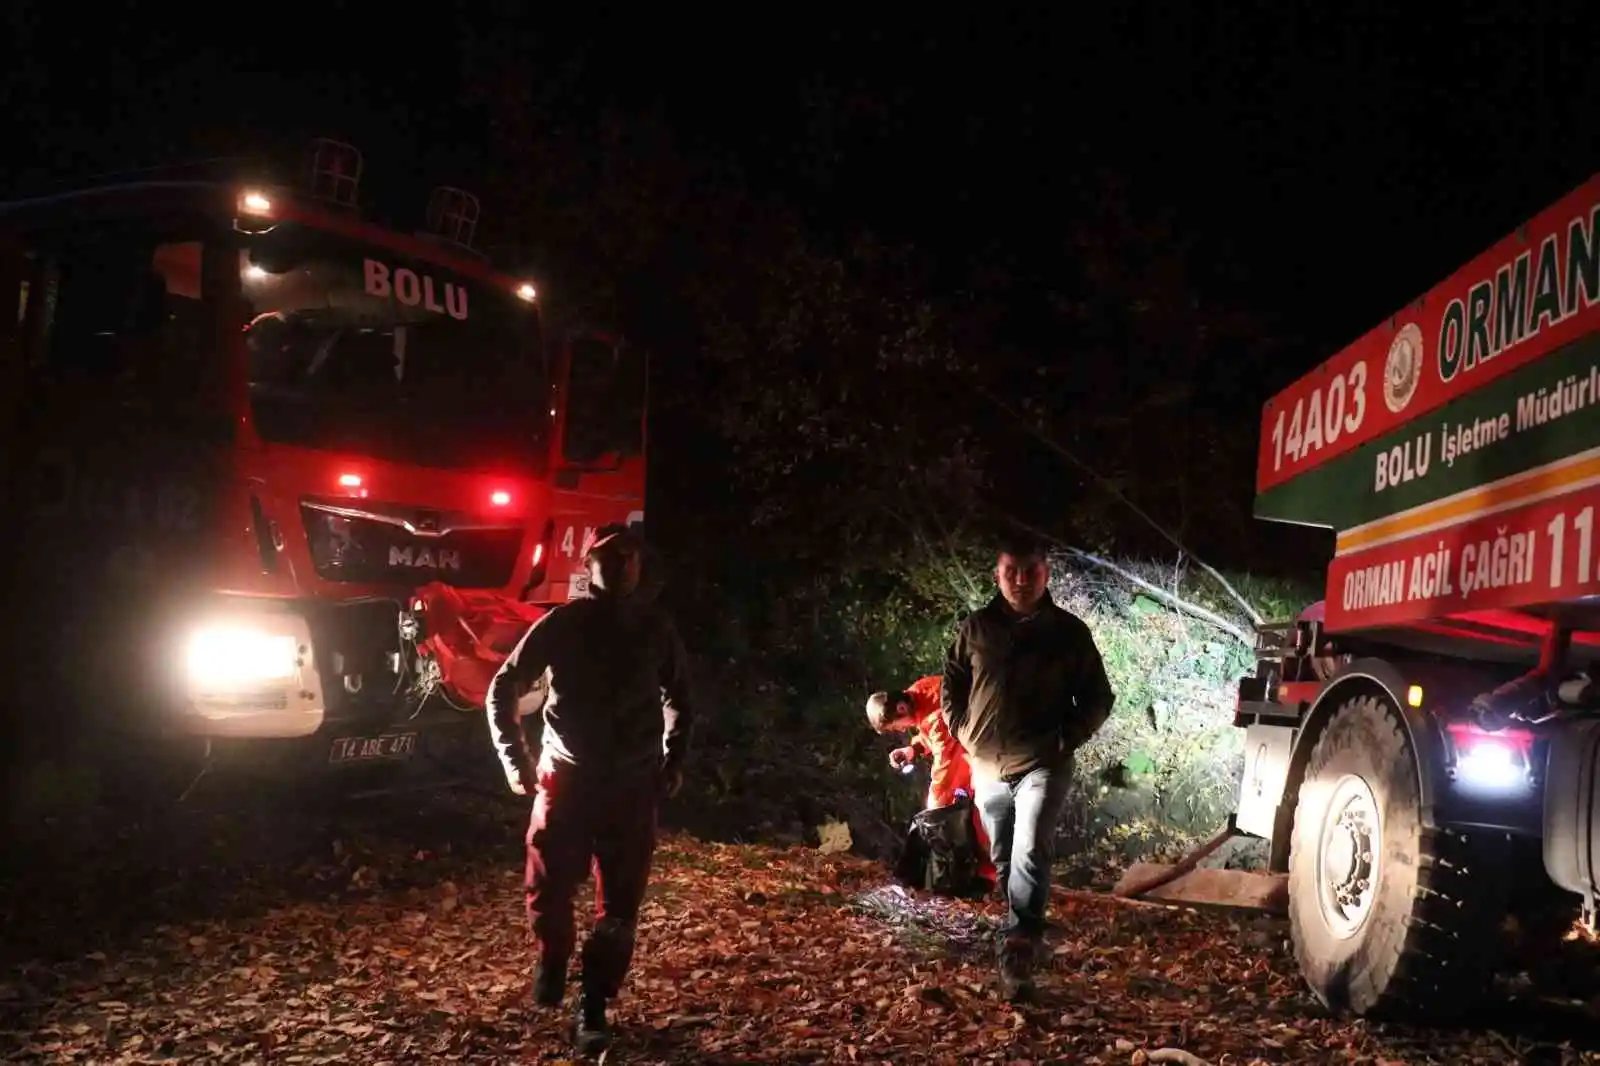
951,770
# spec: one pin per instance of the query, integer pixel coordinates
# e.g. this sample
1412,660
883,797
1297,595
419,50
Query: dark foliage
838,436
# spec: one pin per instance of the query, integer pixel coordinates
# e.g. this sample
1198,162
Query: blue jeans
1021,817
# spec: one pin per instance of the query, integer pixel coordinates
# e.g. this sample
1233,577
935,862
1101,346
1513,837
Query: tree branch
1061,450
949,556
1209,617
1192,609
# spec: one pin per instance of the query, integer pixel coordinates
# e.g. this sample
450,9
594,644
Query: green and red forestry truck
1422,746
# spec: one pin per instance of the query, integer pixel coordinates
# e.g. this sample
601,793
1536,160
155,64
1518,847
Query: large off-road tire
1388,917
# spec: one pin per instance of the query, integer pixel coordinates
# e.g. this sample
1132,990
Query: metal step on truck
1422,746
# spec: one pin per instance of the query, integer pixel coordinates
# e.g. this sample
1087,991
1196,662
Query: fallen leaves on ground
746,954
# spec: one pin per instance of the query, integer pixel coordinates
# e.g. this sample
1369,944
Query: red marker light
500,499
350,481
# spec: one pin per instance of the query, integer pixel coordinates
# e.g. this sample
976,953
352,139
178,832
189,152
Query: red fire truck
246,424
1422,747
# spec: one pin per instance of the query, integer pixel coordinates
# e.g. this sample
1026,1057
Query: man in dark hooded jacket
616,718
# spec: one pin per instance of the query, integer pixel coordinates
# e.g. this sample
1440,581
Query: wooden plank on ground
1217,888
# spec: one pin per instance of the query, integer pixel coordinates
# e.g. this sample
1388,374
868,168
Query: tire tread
1436,959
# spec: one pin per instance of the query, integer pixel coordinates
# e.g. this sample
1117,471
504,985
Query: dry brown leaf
745,953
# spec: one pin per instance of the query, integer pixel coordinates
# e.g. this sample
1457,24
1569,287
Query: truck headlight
234,656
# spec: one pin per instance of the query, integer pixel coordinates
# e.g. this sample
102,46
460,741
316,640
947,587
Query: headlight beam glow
230,657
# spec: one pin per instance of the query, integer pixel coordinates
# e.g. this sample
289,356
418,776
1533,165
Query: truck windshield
355,348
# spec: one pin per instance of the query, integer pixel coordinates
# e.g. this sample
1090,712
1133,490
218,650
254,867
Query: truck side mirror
591,366
13,314
630,393
606,395
13,297
150,304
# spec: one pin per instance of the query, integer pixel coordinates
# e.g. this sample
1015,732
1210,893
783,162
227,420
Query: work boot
593,1031
1016,970
606,957
549,984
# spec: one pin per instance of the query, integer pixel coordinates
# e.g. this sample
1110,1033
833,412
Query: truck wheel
1386,915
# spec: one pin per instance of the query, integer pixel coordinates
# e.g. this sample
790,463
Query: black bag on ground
940,853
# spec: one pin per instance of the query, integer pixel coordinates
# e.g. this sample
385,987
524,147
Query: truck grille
381,551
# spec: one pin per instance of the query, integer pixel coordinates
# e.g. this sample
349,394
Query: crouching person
916,712
616,718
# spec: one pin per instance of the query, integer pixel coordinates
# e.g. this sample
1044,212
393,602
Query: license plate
369,749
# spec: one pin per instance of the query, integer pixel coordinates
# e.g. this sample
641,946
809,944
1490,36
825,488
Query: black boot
1016,969
549,983
607,954
593,1031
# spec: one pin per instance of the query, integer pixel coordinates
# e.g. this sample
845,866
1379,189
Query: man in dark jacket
616,716
1024,688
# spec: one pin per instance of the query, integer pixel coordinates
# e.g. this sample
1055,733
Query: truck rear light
350,481
1491,762
500,498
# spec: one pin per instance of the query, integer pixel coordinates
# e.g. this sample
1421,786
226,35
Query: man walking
1024,688
616,721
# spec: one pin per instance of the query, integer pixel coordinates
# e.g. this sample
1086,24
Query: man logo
1403,369
425,558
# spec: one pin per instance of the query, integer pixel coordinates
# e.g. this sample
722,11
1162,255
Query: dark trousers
580,821
1021,816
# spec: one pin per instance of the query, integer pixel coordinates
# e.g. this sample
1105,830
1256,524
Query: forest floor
389,930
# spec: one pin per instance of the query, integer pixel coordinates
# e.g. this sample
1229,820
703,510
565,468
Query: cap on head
615,561
883,710
613,537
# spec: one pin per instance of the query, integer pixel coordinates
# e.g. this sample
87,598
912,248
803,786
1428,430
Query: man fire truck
1421,748
245,425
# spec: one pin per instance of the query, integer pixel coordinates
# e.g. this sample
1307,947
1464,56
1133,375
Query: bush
1162,773
1158,777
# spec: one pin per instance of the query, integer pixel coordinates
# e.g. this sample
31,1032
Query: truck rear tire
1386,915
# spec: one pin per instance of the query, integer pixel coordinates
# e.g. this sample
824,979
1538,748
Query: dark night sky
1326,169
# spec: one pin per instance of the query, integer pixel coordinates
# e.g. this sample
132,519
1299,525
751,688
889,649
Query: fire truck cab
244,423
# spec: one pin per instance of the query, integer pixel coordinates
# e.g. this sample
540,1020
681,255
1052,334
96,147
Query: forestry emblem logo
1403,369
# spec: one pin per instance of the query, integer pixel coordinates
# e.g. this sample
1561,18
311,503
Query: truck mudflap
1572,812
468,633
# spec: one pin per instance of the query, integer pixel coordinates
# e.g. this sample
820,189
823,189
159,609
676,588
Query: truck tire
1387,916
